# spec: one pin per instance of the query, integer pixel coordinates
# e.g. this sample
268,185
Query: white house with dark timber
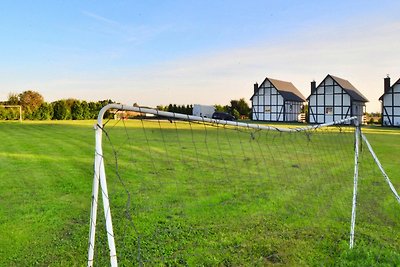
391,103
335,99
276,100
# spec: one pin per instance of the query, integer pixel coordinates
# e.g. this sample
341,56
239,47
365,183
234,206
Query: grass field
184,207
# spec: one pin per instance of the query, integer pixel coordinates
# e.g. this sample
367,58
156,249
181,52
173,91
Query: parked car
223,116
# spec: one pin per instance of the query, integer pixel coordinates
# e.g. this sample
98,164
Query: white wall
267,103
329,103
391,112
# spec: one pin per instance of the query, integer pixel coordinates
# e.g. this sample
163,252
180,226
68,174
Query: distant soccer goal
11,112
185,190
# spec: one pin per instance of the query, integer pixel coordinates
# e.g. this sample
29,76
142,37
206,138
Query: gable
395,88
266,88
328,87
345,85
391,97
285,89
329,95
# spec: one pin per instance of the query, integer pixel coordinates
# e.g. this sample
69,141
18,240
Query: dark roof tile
350,89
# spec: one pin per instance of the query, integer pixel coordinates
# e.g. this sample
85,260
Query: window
329,110
267,109
329,90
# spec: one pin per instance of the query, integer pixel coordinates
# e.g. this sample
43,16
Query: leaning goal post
189,190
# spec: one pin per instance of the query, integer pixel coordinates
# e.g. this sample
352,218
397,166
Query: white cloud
99,18
135,34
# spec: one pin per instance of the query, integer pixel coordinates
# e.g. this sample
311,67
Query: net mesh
378,212
197,193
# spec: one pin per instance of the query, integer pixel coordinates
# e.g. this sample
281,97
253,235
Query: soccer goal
11,112
187,190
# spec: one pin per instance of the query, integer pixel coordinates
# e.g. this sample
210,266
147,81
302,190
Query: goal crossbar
220,122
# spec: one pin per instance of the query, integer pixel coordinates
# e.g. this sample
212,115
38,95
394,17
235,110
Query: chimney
386,82
313,87
255,87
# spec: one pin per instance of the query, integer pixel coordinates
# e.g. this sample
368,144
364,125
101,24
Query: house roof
347,87
397,82
286,89
350,89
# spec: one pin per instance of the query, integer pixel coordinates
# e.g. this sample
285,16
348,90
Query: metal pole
222,122
396,195
95,196
107,215
353,212
100,177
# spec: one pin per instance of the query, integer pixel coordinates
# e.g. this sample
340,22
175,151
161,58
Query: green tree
241,106
94,108
85,110
221,108
44,112
27,113
236,114
6,113
60,109
76,110
13,99
30,101
161,107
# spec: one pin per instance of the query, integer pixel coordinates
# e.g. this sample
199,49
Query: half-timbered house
334,99
391,103
276,100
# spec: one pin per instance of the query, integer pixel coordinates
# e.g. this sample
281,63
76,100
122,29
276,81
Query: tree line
183,109
237,108
35,108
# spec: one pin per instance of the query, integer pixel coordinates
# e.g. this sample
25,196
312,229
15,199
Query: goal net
173,189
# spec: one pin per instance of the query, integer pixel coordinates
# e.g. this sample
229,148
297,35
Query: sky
194,52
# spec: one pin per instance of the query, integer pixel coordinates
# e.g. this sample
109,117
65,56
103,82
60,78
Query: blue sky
161,52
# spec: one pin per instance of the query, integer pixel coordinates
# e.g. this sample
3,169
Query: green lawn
199,196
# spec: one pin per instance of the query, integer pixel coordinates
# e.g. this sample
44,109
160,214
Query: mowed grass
45,181
233,200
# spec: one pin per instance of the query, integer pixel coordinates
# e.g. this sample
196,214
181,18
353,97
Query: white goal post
100,182
19,107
